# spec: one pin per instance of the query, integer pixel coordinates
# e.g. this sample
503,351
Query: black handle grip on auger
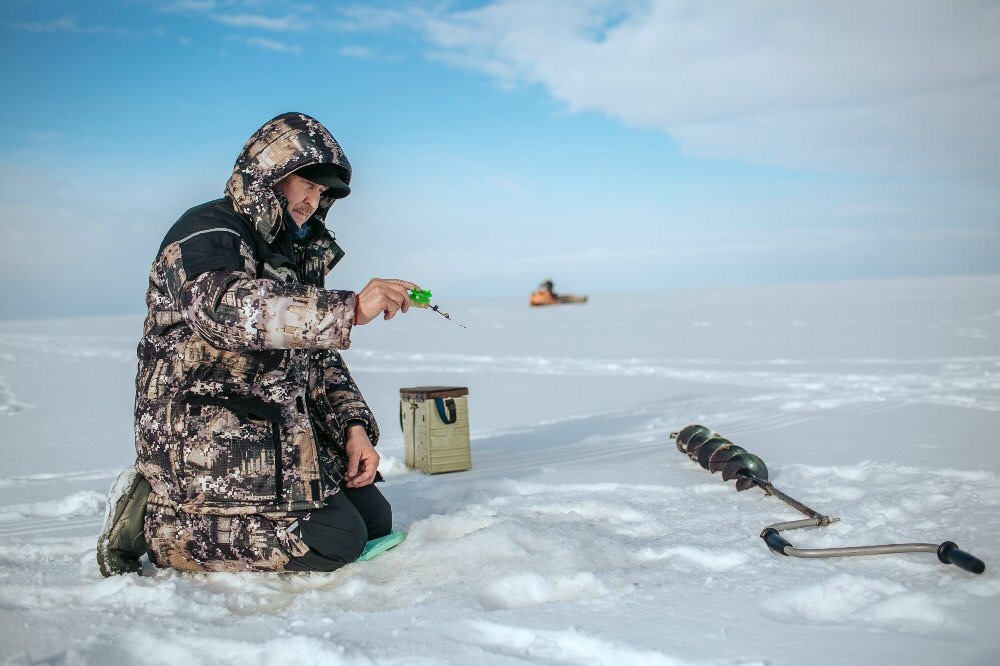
950,553
775,541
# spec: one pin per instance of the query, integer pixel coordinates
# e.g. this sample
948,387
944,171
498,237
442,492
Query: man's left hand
362,459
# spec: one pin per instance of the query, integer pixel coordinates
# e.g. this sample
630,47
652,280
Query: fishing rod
718,454
421,298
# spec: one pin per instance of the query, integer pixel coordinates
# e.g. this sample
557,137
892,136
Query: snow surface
581,535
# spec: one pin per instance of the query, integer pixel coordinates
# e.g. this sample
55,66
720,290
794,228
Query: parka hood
282,145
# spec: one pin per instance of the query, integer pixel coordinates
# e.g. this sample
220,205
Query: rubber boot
122,541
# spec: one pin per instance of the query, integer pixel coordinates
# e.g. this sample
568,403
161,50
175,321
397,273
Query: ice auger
717,454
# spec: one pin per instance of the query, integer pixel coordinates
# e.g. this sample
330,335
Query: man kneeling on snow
255,446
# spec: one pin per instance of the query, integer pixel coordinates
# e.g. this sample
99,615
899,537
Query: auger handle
950,553
775,541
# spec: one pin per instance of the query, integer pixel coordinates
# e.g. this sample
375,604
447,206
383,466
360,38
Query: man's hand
382,296
362,459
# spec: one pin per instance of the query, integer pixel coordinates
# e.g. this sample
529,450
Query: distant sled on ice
544,295
538,299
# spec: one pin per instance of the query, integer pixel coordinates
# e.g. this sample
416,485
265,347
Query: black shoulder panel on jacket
210,236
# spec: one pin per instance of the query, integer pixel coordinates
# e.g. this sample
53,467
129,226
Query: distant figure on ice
255,446
545,295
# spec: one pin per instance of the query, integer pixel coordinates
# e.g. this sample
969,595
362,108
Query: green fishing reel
420,298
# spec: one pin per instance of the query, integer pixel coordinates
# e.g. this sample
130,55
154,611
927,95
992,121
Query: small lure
421,298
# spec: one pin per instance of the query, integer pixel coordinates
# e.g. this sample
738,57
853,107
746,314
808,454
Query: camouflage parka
242,399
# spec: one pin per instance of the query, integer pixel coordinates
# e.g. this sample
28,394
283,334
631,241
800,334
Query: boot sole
128,487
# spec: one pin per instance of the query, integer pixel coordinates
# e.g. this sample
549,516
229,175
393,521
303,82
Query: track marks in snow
79,504
48,527
53,550
9,404
82,510
820,384
74,347
57,478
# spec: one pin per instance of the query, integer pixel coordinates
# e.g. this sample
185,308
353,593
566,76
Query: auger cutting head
740,465
686,433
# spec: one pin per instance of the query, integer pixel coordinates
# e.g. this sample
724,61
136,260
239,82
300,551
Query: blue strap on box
452,411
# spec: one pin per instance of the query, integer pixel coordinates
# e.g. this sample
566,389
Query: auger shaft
769,489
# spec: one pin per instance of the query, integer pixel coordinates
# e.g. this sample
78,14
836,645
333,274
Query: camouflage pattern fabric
192,542
242,399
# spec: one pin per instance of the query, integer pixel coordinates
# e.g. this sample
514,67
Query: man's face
302,195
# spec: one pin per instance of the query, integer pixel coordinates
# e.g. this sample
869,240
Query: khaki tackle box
435,422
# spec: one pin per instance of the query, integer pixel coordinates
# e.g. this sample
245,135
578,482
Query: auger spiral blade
709,448
681,438
722,456
696,441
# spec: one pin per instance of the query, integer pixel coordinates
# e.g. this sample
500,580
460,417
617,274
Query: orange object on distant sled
545,295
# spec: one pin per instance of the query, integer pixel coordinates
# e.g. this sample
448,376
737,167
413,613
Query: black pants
337,533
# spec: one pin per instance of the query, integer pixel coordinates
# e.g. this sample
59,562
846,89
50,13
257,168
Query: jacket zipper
312,429
278,471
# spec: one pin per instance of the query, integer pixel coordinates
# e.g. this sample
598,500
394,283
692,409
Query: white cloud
287,23
68,24
360,18
269,44
61,24
178,6
889,87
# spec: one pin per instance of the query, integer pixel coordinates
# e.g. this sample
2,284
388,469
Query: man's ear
279,194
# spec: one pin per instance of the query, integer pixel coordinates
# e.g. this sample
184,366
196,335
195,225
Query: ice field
581,535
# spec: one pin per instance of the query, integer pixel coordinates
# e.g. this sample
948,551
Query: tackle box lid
426,392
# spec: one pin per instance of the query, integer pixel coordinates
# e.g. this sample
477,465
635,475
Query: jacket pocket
232,452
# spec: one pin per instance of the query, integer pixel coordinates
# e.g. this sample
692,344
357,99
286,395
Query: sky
608,145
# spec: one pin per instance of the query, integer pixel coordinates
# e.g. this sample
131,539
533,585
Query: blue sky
609,146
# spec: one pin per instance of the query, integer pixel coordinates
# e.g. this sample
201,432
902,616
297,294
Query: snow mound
569,646
700,557
850,599
532,589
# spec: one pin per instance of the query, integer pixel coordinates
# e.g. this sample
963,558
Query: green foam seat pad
376,547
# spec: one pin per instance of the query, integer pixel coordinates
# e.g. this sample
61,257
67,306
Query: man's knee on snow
341,539
335,534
